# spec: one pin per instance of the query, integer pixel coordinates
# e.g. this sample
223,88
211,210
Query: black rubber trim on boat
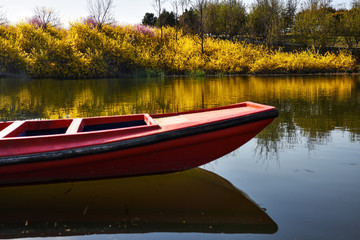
136,142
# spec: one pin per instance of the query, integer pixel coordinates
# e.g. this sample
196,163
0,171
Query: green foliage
189,21
265,20
316,26
149,19
350,26
166,19
226,18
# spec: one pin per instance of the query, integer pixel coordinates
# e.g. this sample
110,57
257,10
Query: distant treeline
273,22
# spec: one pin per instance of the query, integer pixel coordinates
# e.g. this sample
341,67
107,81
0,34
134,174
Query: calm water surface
303,170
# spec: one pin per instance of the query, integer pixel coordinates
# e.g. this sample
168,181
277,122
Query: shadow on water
191,201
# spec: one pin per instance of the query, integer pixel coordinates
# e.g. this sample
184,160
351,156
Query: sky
125,11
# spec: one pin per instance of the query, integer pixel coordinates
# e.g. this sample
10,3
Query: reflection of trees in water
309,118
279,137
310,107
269,142
309,124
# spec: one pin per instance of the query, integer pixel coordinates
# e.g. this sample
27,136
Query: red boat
118,146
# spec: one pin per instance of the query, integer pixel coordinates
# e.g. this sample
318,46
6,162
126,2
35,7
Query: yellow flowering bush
83,51
304,61
12,58
231,57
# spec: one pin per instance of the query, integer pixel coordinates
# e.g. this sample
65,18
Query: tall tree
101,12
225,17
189,21
166,19
149,19
289,14
214,21
200,7
350,25
233,16
158,7
355,4
176,4
176,7
184,4
317,4
265,20
316,24
45,17
3,19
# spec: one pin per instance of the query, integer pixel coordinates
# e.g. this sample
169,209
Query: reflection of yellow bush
94,98
85,52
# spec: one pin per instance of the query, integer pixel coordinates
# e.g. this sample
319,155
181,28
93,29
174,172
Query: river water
302,171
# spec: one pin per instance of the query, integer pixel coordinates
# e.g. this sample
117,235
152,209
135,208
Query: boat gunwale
267,113
149,119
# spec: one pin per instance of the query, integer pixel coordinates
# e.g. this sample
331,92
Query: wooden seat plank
9,129
74,126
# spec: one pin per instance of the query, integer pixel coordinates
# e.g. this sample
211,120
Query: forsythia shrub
83,51
12,57
304,61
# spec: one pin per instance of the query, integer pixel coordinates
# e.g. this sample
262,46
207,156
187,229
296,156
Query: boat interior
71,126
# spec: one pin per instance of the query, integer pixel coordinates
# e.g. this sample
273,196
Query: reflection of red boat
102,147
190,201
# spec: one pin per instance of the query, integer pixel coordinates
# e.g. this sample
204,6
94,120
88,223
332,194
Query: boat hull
164,157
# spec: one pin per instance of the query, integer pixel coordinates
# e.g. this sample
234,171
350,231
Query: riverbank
139,51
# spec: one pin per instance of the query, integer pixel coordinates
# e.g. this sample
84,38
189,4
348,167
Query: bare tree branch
175,5
101,11
200,6
184,4
157,4
178,5
3,19
44,17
